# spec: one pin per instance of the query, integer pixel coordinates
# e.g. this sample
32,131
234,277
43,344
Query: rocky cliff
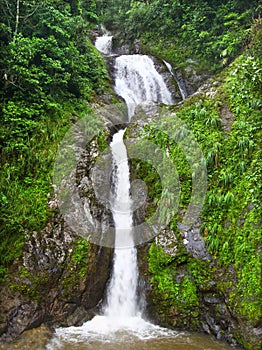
60,278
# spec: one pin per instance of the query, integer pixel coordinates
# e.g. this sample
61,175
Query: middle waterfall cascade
137,80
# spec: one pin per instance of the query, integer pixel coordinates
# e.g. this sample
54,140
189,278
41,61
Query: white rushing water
122,291
104,44
137,80
182,89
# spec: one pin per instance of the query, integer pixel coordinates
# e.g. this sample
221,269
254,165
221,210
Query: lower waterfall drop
122,291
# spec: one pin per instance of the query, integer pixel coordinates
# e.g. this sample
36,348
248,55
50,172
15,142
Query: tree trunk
16,18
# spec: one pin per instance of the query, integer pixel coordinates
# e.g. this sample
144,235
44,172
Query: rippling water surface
138,334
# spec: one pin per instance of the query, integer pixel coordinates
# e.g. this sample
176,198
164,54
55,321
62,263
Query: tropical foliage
49,73
210,31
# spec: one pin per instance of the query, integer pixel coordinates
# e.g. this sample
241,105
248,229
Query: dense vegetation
50,71
50,75
232,213
211,31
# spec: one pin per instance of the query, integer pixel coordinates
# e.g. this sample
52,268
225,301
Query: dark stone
190,78
194,242
169,79
25,316
211,299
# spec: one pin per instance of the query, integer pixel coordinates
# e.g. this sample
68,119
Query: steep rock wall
61,277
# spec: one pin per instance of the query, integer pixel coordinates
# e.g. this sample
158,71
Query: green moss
144,171
36,284
31,285
80,256
188,293
201,272
167,290
102,141
79,264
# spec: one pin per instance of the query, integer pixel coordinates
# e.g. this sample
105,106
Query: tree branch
31,14
8,8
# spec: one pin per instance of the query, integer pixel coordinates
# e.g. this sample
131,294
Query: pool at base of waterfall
104,333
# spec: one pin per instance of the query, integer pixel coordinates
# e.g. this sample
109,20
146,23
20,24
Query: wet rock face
194,241
189,79
56,282
169,79
61,277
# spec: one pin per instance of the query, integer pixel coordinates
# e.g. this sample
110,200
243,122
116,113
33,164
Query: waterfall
104,44
137,80
122,299
181,86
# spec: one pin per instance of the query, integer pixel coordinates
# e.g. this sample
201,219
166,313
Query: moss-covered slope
220,290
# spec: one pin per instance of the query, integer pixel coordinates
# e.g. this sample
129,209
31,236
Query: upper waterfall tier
104,44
